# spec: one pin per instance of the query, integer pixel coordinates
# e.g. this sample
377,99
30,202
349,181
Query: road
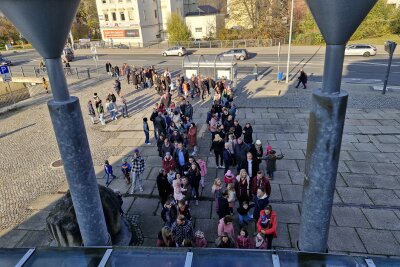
358,69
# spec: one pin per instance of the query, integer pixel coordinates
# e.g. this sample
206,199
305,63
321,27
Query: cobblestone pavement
366,212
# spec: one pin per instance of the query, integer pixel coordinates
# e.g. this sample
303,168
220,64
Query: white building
205,22
135,21
394,2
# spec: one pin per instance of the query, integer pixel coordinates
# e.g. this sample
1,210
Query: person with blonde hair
218,147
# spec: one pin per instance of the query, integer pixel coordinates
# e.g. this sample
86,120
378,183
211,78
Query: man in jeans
137,170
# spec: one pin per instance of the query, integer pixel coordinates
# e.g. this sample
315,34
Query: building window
122,14
106,17
130,14
198,29
155,13
104,1
120,1
111,1
114,16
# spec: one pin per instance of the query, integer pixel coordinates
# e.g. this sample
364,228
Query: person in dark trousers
146,131
223,205
218,147
109,68
152,119
271,163
227,155
261,200
169,213
302,79
255,72
267,224
109,172
164,187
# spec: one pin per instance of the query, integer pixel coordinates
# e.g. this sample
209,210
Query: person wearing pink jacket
226,226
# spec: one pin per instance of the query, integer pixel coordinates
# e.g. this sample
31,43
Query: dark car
121,46
5,62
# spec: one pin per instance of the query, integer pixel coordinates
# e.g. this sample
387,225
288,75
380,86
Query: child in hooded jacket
243,240
199,240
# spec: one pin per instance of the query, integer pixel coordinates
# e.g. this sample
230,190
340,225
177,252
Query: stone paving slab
353,195
379,241
382,219
345,239
45,202
37,221
383,197
350,216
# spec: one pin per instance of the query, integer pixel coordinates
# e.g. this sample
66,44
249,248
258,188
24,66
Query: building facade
136,21
205,26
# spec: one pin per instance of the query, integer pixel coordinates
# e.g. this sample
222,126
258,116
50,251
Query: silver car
240,54
175,51
360,50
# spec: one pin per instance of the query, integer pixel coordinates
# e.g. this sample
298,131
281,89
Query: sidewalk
366,212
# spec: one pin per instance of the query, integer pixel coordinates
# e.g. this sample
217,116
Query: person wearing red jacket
267,224
260,181
168,162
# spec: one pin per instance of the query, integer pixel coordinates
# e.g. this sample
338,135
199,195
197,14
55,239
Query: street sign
5,74
390,46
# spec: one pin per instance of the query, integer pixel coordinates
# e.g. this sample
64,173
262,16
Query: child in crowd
244,213
171,176
177,190
146,131
243,240
109,172
216,190
203,171
232,196
183,209
260,241
271,163
126,170
199,240
229,178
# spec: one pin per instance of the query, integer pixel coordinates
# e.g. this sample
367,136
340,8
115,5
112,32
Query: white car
175,51
360,50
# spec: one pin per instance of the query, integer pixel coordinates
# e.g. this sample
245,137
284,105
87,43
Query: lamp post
337,21
290,42
46,24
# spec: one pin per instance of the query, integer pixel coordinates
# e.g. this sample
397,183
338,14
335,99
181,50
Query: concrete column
70,132
326,124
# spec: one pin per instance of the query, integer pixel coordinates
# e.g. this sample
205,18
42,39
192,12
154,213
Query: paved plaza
366,212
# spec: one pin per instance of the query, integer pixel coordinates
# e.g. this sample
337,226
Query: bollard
77,72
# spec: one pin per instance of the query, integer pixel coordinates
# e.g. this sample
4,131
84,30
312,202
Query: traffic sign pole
389,47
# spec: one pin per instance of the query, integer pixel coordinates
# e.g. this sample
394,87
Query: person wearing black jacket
251,166
169,213
164,187
228,158
223,205
238,130
302,79
160,124
194,177
218,147
248,134
152,118
244,212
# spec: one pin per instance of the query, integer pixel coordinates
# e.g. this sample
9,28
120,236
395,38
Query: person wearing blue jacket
109,172
126,170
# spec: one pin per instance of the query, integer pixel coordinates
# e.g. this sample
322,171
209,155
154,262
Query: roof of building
204,10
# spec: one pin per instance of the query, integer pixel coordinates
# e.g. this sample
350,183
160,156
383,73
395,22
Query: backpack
203,167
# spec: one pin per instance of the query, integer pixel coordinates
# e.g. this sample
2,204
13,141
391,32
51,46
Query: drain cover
57,164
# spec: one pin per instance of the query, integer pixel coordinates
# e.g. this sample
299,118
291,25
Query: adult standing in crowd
138,167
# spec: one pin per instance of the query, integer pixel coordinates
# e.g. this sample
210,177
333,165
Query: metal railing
245,43
31,71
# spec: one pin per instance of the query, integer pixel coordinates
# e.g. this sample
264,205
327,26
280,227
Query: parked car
121,46
365,50
5,62
240,54
175,51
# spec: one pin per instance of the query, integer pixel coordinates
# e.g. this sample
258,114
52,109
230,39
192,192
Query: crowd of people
244,190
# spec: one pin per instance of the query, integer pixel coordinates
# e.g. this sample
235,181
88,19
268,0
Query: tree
86,24
395,22
8,33
177,30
